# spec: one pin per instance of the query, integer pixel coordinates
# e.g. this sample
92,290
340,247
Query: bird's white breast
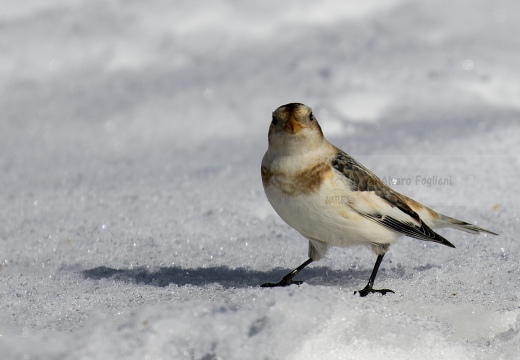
324,213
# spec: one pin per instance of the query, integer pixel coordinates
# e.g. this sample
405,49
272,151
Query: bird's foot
286,281
368,289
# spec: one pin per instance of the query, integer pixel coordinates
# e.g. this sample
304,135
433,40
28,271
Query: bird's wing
376,201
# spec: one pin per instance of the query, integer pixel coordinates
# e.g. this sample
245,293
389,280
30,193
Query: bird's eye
311,117
274,121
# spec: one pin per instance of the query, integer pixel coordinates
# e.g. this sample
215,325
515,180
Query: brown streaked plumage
266,176
304,182
418,207
303,174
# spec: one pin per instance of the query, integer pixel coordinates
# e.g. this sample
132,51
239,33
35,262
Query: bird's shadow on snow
228,277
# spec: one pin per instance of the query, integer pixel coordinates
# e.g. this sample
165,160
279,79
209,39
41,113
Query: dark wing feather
362,179
422,232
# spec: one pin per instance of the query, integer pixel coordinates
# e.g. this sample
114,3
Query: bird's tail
462,225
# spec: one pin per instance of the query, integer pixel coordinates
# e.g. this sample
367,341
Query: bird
333,200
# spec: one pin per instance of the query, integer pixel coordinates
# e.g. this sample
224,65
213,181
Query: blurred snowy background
133,224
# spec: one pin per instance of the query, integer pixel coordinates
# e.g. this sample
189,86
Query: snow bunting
332,200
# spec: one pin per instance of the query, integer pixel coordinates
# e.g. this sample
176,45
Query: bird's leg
368,288
288,279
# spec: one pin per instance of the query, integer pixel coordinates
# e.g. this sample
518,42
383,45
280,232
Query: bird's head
294,129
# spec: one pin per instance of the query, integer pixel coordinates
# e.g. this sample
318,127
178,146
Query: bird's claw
282,283
367,290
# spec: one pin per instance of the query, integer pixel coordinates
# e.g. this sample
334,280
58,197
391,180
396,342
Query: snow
133,220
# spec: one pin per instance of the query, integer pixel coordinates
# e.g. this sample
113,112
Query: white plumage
332,200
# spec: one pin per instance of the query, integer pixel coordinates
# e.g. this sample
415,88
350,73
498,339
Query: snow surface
133,223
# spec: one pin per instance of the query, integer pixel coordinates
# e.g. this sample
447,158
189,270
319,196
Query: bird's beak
292,126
